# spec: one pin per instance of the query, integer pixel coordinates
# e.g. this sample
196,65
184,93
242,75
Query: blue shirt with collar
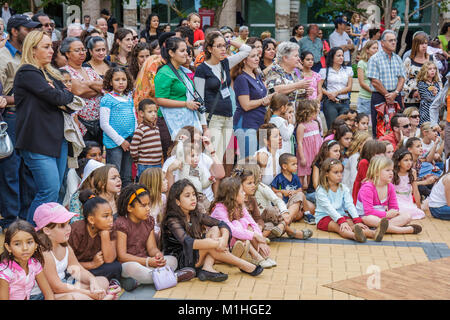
11,49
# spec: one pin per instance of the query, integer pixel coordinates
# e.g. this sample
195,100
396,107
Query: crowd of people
138,151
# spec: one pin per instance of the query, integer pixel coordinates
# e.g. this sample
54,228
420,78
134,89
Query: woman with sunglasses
87,84
414,118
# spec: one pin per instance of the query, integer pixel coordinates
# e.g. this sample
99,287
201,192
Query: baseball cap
340,21
51,212
18,20
164,36
89,168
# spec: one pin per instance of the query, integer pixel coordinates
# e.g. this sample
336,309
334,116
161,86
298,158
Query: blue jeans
123,162
142,167
442,213
48,175
17,188
363,106
332,110
247,140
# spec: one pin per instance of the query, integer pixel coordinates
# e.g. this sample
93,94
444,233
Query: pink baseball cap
51,212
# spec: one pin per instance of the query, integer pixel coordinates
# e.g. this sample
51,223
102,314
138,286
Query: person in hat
14,201
339,38
61,267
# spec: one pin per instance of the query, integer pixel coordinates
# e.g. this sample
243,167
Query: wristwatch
397,92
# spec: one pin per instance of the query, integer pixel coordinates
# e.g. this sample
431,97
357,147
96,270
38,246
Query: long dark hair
25,226
173,212
172,44
134,64
322,155
330,56
120,34
397,157
265,44
90,203
370,149
226,195
125,195
148,21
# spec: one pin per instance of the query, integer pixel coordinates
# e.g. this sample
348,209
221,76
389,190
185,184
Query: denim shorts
363,105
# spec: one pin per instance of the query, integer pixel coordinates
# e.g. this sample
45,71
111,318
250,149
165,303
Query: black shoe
129,284
255,272
185,274
204,275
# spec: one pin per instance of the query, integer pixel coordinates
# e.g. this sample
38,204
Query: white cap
90,166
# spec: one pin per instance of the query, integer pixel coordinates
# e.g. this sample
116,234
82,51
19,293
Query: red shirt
198,35
391,138
363,165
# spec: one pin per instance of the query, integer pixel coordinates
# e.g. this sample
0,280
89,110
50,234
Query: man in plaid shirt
387,74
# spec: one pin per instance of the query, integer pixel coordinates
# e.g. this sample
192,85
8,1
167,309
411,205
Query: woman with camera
175,92
213,82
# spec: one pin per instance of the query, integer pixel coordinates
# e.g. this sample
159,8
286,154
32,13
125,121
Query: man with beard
16,182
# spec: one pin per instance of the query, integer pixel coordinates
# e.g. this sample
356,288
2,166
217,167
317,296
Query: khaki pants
221,131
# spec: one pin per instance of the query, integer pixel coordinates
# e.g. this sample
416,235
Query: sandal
359,234
247,257
417,229
307,233
240,248
276,232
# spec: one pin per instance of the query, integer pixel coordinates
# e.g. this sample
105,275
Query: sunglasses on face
416,116
406,126
135,37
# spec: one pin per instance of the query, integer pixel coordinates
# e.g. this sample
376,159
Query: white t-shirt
426,147
337,40
267,172
205,162
437,196
337,80
73,180
286,131
350,171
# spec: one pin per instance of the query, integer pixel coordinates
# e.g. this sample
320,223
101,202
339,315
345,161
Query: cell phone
271,90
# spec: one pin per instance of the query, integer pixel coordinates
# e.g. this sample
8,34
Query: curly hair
423,73
107,81
305,108
134,64
397,157
226,195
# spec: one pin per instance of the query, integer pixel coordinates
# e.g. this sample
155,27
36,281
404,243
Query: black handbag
92,126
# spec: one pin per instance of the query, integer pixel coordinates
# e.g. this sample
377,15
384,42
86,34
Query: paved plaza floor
305,266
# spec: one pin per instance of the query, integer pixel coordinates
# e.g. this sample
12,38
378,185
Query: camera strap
194,94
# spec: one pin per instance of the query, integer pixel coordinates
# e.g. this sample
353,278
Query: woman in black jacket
39,95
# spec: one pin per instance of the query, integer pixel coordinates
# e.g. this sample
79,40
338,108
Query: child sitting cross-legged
333,201
287,185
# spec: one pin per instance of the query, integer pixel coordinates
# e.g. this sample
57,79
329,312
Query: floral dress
91,110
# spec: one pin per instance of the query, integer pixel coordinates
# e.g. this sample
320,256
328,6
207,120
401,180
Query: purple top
255,88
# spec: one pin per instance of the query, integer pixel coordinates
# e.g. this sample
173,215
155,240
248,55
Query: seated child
267,157
333,201
287,185
92,239
439,200
229,207
20,268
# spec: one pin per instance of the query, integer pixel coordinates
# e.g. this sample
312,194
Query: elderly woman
87,84
96,57
39,93
285,77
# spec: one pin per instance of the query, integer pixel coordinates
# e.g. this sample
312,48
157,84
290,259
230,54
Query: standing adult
313,44
269,50
297,33
39,93
102,25
110,20
336,81
7,12
326,48
365,93
242,39
44,20
387,74
444,37
120,52
174,92
16,182
151,31
413,64
96,58
285,76
213,82
87,23
396,21
74,30
339,38
251,100
87,84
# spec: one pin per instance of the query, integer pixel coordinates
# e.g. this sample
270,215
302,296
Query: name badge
225,92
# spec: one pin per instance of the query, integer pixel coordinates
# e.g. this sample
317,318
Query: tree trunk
282,15
228,15
405,30
295,6
387,13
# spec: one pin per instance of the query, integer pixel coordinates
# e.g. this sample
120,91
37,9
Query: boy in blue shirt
288,187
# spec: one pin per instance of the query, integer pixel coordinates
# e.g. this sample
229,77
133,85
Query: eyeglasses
47,25
416,116
79,50
406,126
135,37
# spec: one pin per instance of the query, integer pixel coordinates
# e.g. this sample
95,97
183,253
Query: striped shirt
146,148
386,69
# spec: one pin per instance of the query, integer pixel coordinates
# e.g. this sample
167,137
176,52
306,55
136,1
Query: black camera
202,108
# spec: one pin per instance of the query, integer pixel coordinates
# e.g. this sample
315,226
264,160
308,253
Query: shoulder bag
6,146
164,278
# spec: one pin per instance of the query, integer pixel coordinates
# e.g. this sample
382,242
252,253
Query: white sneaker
266,264
273,262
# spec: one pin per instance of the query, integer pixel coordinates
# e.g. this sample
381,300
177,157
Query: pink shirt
370,204
239,227
315,78
20,284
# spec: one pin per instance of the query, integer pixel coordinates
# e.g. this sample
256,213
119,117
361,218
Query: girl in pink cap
62,269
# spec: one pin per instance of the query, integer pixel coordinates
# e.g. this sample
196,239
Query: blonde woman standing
39,93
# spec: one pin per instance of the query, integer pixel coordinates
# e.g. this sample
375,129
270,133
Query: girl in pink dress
404,181
308,137
308,62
